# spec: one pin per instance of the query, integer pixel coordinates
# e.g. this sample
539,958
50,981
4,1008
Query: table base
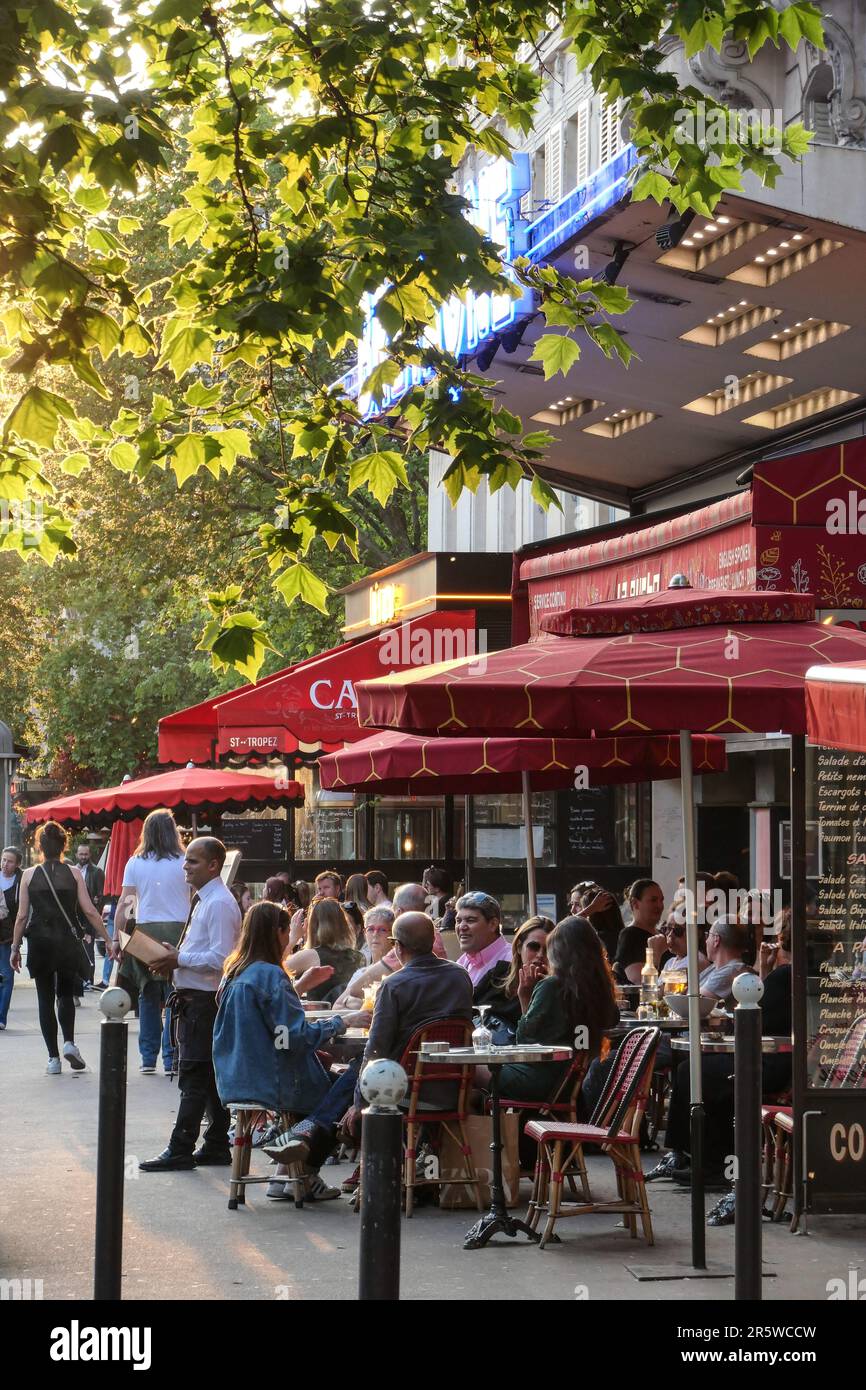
493,1223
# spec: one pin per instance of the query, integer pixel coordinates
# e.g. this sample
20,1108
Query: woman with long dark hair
528,966
154,881
573,1006
264,1046
51,896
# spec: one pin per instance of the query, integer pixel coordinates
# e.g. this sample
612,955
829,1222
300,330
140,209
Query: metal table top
667,1025
713,1043
496,1056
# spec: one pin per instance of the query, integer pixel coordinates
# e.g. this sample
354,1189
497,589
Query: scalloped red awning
742,677
675,609
836,706
187,790
405,765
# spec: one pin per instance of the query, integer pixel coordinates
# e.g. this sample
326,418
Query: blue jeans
7,980
108,962
154,1026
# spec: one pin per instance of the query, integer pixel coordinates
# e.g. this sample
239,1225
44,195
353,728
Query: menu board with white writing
590,827
836,923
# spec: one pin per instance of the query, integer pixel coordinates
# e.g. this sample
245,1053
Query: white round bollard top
748,990
384,1084
115,1003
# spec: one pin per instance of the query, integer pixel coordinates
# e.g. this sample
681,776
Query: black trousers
196,1012
717,1071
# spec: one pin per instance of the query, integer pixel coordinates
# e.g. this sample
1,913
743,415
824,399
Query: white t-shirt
163,893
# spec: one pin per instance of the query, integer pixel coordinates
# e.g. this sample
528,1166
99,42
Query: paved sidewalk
182,1242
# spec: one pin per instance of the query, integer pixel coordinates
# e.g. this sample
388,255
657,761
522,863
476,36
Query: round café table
712,1043
497,1219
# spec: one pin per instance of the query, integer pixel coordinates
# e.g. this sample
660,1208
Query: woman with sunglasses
573,1005
528,966
669,945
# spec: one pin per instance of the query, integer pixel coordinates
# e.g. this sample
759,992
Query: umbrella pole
530,847
696,1111
194,824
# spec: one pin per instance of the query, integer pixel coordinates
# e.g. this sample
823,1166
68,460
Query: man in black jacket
10,886
94,882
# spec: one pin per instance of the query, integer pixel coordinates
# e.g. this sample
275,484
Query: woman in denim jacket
264,1046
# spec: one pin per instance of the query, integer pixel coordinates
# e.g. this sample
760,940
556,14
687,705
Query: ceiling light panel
621,422
729,323
563,412
710,241
801,408
786,257
801,336
739,391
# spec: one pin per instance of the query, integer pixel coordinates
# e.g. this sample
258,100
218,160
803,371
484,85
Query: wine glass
482,1038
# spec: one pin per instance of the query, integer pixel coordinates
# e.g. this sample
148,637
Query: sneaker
286,1149
279,1190
315,1189
100,985
147,1068
54,1068
665,1169
74,1057
2,1027
77,1001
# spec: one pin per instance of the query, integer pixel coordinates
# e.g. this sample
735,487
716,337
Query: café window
330,824
407,828
632,821
497,829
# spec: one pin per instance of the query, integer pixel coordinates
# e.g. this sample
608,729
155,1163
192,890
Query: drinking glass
482,1038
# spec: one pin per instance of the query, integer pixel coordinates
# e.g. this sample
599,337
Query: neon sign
461,324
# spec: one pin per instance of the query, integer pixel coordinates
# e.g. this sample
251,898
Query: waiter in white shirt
211,934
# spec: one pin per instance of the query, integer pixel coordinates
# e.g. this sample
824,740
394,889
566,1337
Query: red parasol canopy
836,706
125,835
705,661
405,765
186,791
65,809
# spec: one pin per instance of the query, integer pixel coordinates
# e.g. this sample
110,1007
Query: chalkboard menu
256,839
836,933
589,827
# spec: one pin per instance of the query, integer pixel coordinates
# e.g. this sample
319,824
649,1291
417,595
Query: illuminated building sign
494,206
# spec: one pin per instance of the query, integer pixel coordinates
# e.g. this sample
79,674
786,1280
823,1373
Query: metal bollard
747,990
108,1253
384,1084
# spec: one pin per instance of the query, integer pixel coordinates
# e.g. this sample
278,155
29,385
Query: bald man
196,965
424,989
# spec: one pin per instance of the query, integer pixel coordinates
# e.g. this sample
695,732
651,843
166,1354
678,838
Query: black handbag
79,961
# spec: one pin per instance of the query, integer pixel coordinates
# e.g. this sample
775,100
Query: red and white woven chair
615,1127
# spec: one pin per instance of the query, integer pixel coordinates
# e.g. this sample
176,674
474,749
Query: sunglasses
676,931
533,946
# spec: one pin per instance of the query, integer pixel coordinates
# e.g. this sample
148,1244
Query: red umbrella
65,809
407,765
125,835
709,662
713,662
186,791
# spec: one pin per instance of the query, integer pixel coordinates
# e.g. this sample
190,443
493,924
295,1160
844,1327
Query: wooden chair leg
783,1171
643,1203
409,1167
236,1185
555,1166
469,1165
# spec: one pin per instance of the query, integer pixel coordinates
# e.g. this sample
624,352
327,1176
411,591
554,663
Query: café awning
836,706
310,707
407,765
186,791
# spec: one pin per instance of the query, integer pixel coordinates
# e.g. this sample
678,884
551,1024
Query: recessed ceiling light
698,236
689,242
798,236
760,259
724,220
784,245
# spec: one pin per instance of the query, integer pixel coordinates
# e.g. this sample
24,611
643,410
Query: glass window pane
632,823
499,834
330,825
409,829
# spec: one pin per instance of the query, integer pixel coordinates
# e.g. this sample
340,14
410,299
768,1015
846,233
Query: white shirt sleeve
215,935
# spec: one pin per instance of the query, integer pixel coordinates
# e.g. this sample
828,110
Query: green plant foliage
294,159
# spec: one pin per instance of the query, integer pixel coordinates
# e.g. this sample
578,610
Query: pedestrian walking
51,895
156,893
94,882
10,885
196,964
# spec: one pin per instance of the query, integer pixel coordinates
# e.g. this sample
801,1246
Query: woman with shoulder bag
51,895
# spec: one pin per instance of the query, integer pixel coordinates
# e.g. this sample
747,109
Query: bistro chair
615,1127
456,1033
849,1068
770,1154
247,1117
561,1104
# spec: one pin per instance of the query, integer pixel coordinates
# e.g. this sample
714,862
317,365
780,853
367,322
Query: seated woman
570,1007
378,924
330,946
528,965
264,1046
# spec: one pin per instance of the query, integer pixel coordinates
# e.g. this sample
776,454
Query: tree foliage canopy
310,150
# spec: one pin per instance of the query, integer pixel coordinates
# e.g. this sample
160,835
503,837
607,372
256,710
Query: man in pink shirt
486,953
